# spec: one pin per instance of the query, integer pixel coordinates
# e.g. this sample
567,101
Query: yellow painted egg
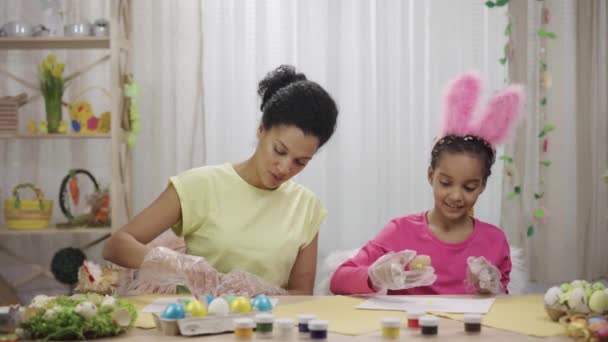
196,309
240,304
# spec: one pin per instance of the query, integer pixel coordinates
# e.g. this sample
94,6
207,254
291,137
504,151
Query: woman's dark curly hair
465,144
288,98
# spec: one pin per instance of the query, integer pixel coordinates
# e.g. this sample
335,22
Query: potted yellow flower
51,87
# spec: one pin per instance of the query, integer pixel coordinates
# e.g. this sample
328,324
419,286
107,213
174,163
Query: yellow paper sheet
520,314
340,312
145,320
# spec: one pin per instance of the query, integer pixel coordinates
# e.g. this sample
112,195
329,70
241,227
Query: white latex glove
483,276
388,272
241,283
164,266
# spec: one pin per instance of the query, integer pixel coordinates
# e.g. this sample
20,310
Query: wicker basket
21,214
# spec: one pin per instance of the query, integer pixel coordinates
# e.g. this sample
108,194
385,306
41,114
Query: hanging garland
538,212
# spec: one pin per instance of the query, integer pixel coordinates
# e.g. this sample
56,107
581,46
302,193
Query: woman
248,228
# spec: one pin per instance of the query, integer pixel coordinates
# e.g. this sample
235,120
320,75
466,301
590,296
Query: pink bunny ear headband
496,122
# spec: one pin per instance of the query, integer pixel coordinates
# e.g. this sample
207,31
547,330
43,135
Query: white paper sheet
428,304
159,304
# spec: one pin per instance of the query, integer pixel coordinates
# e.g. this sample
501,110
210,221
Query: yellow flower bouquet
51,87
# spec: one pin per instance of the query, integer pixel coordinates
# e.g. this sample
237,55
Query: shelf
46,43
56,136
55,230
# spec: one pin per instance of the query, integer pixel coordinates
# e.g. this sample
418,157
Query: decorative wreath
69,191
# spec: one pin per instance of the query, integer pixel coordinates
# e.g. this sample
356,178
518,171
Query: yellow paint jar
243,328
391,327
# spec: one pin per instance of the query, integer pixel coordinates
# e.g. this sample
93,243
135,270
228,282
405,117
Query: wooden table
449,330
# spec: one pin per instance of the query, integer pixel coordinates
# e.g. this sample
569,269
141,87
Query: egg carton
193,326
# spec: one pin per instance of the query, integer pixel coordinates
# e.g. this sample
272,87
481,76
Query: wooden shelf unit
50,43
119,46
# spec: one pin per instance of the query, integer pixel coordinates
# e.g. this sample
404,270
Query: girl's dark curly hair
288,98
465,144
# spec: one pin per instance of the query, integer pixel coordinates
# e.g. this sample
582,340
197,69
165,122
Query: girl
248,228
467,255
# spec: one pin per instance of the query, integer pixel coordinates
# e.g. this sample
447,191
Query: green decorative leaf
511,196
546,163
541,134
543,101
502,61
517,190
506,158
541,33
501,2
490,4
539,196
551,35
508,29
549,128
530,231
539,213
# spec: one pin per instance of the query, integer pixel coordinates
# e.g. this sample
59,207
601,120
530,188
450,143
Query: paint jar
283,329
318,329
263,325
243,328
391,326
413,318
472,323
429,325
303,325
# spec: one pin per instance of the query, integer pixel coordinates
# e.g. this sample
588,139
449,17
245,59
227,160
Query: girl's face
457,181
282,152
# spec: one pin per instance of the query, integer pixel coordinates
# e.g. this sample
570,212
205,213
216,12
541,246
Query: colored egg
240,304
262,303
218,307
597,319
602,333
173,311
209,299
196,308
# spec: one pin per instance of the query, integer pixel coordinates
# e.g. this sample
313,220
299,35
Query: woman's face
457,181
282,152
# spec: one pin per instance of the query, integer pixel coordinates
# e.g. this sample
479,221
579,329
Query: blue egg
262,303
75,126
596,320
230,298
173,311
209,299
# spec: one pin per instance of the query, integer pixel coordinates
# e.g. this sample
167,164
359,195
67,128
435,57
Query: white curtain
385,63
573,242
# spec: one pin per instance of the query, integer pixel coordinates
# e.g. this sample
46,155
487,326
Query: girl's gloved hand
388,272
482,276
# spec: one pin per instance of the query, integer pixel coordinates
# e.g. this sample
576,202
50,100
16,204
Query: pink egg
92,123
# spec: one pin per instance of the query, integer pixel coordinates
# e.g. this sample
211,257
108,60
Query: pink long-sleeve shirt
448,259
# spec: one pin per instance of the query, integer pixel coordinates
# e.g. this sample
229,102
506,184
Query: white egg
576,301
50,313
121,317
86,309
552,296
40,301
218,307
108,301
